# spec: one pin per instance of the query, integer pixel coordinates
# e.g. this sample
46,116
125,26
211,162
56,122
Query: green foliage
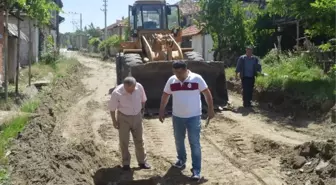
298,78
95,41
230,25
30,106
318,16
332,72
93,31
271,57
10,130
113,41
49,56
41,10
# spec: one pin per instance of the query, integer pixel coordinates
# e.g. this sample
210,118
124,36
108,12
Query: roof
13,31
117,23
188,7
191,31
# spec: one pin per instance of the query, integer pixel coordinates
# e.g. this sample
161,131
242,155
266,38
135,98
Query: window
173,18
152,17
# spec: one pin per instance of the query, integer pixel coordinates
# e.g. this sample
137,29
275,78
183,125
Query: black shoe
126,167
247,105
145,166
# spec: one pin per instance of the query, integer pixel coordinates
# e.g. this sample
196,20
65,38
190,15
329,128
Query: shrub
113,41
94,42
299,78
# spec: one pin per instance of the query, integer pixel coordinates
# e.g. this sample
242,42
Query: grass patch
230,73
297,77
39,71
30,106
44,70
9,130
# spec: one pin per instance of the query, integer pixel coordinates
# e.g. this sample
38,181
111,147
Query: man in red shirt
186,88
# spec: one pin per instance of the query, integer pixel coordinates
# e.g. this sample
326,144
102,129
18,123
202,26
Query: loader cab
153,15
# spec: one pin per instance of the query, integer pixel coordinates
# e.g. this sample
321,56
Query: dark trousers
248,86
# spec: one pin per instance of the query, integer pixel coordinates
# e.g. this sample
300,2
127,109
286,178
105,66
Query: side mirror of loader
168,10
133,11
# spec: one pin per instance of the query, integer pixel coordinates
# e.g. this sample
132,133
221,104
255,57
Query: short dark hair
179,65
129,81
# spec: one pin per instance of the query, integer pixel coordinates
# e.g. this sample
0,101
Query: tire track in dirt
250,164
217,168
237,137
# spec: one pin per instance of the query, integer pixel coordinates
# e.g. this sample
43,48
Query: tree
224,20
40,10
317,16
93,31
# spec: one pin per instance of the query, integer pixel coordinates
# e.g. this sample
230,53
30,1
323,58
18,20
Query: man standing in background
129,99
247,69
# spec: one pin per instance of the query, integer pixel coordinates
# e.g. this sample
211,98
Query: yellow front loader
154,43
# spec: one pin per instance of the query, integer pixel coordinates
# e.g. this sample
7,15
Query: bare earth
238,148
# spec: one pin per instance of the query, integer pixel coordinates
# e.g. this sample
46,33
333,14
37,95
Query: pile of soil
41,156
283,102
268,147
312,163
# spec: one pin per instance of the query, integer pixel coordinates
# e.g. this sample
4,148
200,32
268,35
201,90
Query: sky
91,12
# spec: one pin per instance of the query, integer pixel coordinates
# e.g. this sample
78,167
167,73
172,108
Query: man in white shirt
185,86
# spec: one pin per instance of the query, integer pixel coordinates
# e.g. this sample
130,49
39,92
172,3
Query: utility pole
18,53
81,33
105,13
6,51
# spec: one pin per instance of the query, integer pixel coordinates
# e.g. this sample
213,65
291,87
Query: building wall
115,31
208,53
12,58
24,45
198,44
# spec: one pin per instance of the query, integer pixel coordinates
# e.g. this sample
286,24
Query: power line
75,21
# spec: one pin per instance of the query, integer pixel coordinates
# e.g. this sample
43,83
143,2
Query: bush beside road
295,80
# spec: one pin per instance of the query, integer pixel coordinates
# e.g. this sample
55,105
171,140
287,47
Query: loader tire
124,62
193,56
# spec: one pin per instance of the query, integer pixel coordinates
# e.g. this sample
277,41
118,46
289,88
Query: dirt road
83,148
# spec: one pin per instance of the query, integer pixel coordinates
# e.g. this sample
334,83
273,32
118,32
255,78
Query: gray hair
130,81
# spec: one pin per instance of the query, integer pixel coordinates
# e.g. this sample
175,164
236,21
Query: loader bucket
154,75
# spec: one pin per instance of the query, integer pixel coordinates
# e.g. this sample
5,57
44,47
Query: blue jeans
193,126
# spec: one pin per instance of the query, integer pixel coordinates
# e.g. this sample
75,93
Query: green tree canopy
317,16
41,10
226,21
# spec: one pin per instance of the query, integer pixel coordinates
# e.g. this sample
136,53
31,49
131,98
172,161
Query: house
192,36
188,11
38,37
52,30
12,44
116,28
35,38
12,52
24,46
